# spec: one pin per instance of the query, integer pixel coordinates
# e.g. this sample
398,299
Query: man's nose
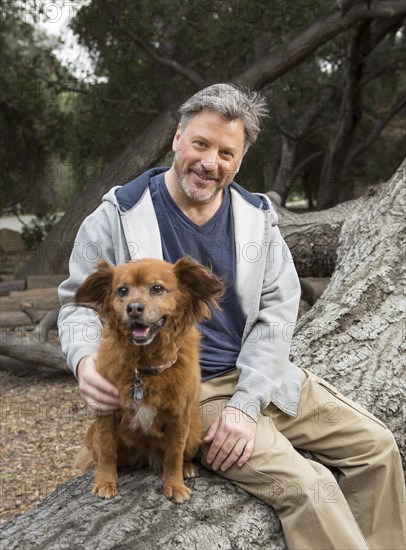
210,166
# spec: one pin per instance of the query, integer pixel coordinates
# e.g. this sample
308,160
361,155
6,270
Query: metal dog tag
137,392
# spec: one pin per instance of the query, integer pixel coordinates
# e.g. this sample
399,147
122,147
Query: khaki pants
365,509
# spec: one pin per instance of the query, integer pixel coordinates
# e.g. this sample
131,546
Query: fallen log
30,350
7,286
44,299
219,515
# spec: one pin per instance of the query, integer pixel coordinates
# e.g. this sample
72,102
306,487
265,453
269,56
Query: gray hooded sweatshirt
125,228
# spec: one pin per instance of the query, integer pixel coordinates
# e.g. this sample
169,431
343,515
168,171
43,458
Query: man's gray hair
231,102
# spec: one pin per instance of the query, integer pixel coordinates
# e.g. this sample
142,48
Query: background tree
31,116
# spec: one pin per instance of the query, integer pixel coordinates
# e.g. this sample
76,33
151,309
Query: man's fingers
217,446
93,395
101,396
100,383
232,436
98,409
212,430
233,456
226,452
246,454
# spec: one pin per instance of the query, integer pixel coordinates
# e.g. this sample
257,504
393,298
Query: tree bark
353,334
352,337
219,515
313,237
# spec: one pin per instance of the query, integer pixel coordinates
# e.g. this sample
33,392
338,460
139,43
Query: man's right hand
101,396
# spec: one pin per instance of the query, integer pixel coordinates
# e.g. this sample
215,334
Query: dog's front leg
105,453
175,441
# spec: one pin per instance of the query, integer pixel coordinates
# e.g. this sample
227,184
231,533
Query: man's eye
122,291
156,289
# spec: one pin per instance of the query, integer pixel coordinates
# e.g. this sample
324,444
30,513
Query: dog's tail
83,461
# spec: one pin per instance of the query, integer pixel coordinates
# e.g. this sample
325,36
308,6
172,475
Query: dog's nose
135,309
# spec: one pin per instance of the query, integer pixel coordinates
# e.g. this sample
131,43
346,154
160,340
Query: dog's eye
157,289
122,291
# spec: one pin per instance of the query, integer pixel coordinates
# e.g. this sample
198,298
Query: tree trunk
332,173
291,140
219,515
352,337
313,237
283,180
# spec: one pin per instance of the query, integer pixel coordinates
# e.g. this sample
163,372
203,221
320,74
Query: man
256,406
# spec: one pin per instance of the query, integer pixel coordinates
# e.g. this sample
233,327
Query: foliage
34,233
30,113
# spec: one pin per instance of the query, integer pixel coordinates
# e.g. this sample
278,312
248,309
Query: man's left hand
232,436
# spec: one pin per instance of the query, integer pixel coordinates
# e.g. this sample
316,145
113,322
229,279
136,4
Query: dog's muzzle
144,333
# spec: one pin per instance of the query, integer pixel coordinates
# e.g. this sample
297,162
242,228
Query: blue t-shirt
213,245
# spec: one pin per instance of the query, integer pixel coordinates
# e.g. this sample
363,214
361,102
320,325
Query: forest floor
43,424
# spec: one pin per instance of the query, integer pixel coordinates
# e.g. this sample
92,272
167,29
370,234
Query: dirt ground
43,423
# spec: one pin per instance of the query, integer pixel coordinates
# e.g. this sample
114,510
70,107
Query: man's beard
192,191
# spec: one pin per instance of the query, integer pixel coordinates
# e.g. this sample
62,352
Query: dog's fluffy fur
149,309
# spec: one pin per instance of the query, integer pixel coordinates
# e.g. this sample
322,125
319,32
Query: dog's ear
202,285
96,286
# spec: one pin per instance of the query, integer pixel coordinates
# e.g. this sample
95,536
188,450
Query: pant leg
277,474
344,435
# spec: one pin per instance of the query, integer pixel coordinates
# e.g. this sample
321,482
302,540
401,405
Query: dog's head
141,298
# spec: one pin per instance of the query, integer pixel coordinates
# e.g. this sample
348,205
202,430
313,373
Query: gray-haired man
251,393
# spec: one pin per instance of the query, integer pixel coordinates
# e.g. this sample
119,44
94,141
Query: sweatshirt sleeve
80,327
263,363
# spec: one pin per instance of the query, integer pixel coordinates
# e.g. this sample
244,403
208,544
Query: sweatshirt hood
125,197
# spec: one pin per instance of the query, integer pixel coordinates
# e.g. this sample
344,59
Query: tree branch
383,69
189,74
375,132
345,5
306,161
280,61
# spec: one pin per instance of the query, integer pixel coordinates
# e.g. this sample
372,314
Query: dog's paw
177,493
190,470
105,490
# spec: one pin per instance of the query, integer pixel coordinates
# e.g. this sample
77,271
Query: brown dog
150,351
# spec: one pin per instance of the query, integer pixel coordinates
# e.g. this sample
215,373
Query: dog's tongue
140,331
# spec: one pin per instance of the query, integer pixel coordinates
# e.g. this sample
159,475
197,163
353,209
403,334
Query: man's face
208,154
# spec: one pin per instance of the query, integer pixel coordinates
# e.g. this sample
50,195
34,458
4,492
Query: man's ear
176,138
96,287
202,285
